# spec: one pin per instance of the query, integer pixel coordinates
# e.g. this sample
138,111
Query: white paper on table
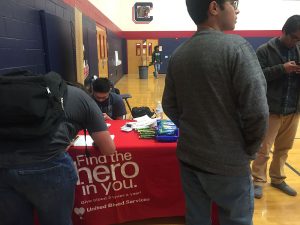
80,141
143,122
142,118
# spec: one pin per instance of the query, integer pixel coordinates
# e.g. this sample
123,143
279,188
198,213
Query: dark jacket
156,57
272,62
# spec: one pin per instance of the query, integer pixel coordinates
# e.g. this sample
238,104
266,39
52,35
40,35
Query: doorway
140,54
102,52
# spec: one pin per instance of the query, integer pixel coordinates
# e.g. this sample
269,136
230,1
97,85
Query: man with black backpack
40,115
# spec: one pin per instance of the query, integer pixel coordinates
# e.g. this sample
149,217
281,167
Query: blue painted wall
59,45
257,41
21,43
22,46
115,43
170,44
124,56
90,44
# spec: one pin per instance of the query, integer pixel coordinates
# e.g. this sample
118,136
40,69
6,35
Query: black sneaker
285,188
258,191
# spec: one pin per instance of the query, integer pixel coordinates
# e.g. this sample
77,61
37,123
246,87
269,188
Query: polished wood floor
275,208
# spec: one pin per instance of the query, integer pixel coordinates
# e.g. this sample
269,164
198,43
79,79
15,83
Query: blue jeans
156,68
234,196
47,187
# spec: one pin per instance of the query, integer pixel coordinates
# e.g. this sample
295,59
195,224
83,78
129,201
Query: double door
139,53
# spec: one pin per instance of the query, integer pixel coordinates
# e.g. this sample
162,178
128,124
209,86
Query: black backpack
141,111
31,105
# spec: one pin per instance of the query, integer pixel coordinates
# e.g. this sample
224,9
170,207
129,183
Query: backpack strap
87,152
57,86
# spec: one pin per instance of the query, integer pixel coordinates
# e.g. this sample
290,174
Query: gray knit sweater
215,91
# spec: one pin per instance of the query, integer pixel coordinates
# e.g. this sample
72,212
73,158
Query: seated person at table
111,104
44,179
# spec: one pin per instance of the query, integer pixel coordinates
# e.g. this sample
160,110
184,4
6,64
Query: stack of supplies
146,133
166,131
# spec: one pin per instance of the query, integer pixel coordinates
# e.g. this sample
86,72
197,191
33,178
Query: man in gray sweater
215,91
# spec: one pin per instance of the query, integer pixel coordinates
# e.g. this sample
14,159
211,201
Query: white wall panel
171,15
110,8
265,14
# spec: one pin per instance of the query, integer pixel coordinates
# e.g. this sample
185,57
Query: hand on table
106,117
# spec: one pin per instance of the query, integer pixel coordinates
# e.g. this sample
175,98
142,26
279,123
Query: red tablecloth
140,181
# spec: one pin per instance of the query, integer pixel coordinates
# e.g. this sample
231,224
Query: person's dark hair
292,24
156,48
198,9
101,85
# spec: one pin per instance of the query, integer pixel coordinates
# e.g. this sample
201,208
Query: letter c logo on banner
140,12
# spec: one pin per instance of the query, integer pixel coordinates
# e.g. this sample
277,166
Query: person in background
156,60
279,58
110,103
45,180
215,92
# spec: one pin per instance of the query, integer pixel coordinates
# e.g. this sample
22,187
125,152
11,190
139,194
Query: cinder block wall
21,43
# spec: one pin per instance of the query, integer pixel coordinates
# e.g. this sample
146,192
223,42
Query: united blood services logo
79,211
141,11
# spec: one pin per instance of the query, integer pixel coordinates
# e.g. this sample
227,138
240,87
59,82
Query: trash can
143,72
